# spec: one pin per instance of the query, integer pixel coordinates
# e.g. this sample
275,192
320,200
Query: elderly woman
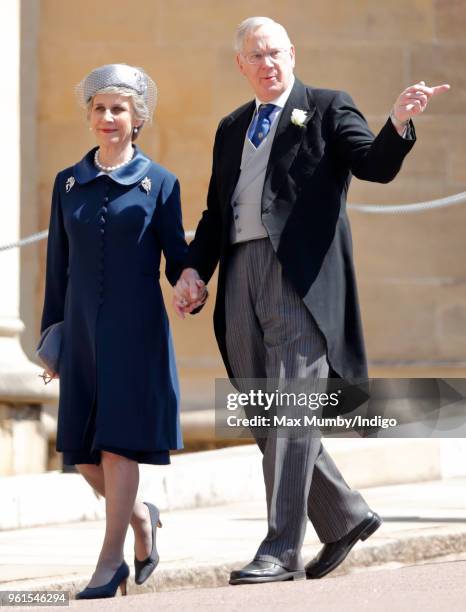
113,213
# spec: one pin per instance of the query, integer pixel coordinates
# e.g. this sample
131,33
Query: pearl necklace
109,168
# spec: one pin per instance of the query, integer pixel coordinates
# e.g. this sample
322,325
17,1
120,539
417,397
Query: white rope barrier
454,200
42,235
24,241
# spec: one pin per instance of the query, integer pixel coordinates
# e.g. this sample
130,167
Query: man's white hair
252,23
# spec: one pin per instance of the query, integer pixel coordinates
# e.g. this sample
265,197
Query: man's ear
293,55
239,61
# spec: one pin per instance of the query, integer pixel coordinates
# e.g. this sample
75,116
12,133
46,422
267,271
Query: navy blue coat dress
118,381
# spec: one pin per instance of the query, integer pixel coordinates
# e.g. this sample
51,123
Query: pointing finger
440,89
429,91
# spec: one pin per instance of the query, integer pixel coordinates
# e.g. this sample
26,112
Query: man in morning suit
287,303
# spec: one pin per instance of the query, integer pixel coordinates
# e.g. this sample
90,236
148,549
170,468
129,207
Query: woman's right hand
47,376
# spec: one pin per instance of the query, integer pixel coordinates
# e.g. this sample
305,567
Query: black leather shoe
264,571
334,553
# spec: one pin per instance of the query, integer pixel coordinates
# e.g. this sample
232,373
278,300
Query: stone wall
411,269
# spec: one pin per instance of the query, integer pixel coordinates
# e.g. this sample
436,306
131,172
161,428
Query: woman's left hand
190,292
182,305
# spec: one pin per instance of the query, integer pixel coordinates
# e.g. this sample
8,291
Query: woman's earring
135,131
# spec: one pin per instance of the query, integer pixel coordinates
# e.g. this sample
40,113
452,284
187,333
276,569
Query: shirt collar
281,100
86,171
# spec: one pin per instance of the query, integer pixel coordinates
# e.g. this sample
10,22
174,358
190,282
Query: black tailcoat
304,209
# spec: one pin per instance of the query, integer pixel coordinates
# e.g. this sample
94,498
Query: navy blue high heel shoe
119,579
143,569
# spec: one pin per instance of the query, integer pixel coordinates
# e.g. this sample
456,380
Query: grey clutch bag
49,347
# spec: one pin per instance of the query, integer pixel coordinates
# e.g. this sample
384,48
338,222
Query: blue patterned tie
261,125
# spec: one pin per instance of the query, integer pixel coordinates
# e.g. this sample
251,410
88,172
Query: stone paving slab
436,586
199,547
224,476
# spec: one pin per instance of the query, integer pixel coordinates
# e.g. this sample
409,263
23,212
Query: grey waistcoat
246,199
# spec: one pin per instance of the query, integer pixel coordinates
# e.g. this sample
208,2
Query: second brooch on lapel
298,117
146,184
70,181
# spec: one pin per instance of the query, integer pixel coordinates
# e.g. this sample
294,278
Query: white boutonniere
298,117
146,184
70,181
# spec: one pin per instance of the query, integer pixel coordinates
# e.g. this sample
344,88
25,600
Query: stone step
226,475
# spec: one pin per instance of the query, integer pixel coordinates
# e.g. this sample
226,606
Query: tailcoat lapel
231,160
288,139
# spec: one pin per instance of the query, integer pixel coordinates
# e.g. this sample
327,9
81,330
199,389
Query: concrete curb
411,548
216,477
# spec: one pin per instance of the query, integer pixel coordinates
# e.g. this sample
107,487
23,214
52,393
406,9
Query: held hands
413,101
190,292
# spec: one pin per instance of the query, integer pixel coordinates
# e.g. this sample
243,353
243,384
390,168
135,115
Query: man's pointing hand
413,100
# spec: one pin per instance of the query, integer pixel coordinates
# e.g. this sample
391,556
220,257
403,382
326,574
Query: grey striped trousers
271,334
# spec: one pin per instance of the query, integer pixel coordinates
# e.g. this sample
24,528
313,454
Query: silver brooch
146,184
70,181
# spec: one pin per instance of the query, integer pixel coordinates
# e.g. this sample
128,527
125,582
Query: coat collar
86,171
